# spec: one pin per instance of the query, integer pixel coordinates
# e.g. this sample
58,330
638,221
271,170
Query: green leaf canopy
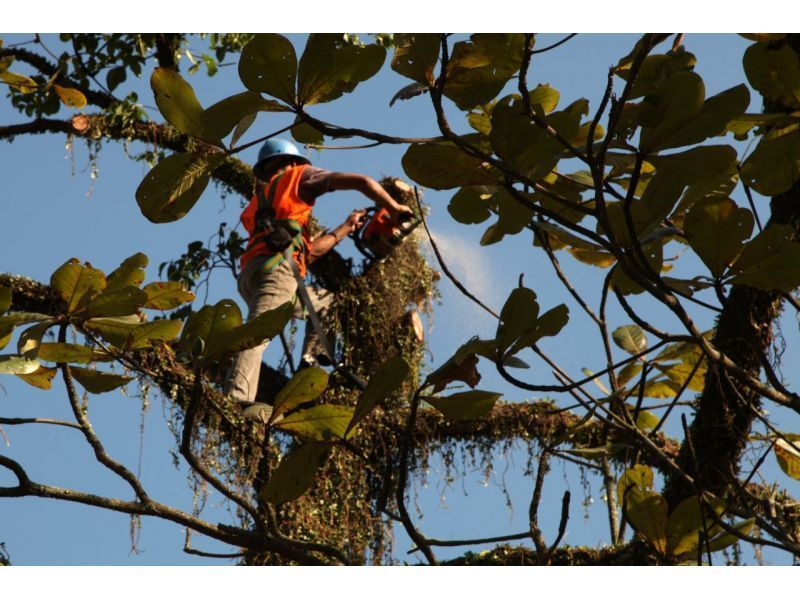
416,55
304,386
178,103
464,406
479,68
444,166
77,284
331,67
268,64
323,423
174,185
716,229
296,473
385,381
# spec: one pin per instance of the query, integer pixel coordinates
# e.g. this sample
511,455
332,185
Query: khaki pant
262,292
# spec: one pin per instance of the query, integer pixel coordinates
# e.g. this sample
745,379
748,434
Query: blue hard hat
272,149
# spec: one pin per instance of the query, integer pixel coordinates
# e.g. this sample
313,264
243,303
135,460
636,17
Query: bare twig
402,481
460,286
556,45
39,420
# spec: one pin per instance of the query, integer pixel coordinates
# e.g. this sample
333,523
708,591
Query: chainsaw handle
356,233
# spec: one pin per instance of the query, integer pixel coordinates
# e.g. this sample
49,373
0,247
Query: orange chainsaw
378,235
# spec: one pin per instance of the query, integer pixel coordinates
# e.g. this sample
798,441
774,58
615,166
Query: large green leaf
493,234
663,388
514,214
70,96
30,339
654,70
144,335
21,83
115,330
544,99
253,333
471,205
680,372
697,164
12,364
415,55
210,324
306,134
41,378
679,351
517,317
720,185
322,423
716,229
653,254
648,517
269,64
331,67
176,100
445,166
547,325
742,125
387,379
77,284
662,191
304,386
174,185
130,272
634,483
479,68
630,338
116,303
774,72
219,119
678,101
787,456
166,295
688,524
712,120
564,237
725,539
628,372
464,406
65,353
596,258
770,261
525,145
295,474
8,322
241,128
98,382
774,165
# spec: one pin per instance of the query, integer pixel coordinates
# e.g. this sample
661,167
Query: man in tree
283,206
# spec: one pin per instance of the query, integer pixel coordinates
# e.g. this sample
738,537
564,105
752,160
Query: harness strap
265,220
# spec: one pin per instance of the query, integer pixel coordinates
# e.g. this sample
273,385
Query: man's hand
400,213
355,220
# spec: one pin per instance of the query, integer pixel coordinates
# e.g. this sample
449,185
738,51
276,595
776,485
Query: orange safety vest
286,206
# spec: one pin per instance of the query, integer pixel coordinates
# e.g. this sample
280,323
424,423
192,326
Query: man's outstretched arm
372,190
329,239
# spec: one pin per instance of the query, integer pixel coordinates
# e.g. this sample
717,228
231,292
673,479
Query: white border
293,16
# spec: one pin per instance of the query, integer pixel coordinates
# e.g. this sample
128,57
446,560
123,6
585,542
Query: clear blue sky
51,215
